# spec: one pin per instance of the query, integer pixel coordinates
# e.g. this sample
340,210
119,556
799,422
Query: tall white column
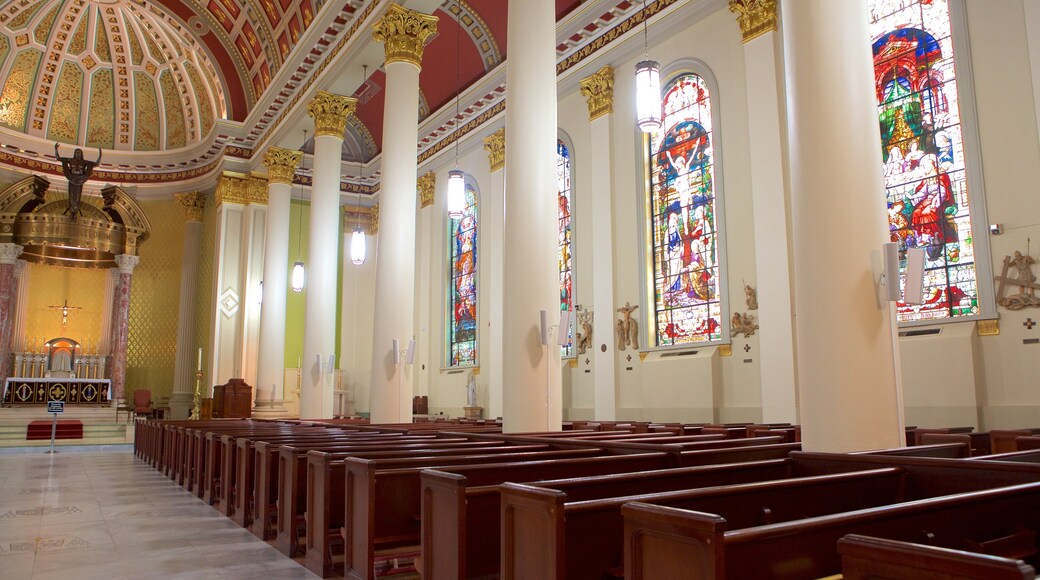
492,279
599,92
531,385
404,34
270,382
848,370
330,113
186,359
769,211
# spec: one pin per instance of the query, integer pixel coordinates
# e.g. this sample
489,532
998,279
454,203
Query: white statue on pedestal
471,392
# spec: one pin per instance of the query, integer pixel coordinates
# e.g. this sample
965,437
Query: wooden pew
1003,440
946,450
660,540
921,431
462,510
393,486
870,558
976,443
544,536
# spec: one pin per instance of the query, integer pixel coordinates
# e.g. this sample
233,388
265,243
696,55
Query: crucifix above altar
65,312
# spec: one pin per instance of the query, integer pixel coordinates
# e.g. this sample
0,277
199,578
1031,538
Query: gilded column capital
404,34
281,164
598,90
365,217
495,145
256,187
755,17
194,204
330,113
232,188
425,187
9,253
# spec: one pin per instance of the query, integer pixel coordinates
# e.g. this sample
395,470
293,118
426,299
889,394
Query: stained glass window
683,212
922,151
462,328
563,191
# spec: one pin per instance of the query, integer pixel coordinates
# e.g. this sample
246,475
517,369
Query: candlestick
200,360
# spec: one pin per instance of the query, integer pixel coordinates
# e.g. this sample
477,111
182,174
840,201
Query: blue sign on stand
55,406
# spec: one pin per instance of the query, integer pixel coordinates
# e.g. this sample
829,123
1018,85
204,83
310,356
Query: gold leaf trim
404,34
598,90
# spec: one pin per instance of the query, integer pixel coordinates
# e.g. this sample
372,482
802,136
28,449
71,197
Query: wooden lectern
233,400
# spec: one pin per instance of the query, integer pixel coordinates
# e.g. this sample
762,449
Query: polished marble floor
107,515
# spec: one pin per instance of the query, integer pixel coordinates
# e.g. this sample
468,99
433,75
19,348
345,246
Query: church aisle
109,516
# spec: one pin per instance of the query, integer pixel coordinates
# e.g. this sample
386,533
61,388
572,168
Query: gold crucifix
65,312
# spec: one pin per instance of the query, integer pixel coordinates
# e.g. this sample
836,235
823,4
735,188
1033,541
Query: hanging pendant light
456,177
357,239
456,193
299,275
648,88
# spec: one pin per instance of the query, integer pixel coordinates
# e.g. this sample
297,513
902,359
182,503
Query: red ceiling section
272,13
247,31
438,76
307,12
494,14
565,7
371,113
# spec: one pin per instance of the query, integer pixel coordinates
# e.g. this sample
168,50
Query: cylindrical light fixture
298,276
648,96
456,193
357,247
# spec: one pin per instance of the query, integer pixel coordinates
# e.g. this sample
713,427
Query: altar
40,391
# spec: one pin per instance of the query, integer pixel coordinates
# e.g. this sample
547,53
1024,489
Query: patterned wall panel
64,124
101,123
51,286
175,126
14,101
147,134
154,301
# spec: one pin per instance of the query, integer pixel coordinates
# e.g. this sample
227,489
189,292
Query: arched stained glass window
684,231
922,151
462,301
563,191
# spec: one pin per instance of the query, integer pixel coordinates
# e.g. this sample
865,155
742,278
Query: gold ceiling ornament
755,17
281,164
598,90
365,217
425,187
495,145
330,113
404,34
240,188
194,205
33,217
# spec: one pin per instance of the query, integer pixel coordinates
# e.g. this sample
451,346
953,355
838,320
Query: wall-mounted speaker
396,351
332,363
411,352
565,326
913,288
544,326
891,275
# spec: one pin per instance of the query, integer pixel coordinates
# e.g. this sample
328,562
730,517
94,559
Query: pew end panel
526,522
663,543
871,558
443,524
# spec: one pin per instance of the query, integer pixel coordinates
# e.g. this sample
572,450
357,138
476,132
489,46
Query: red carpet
67,429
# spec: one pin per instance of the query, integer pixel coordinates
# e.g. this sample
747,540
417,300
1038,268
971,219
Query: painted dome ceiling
114,74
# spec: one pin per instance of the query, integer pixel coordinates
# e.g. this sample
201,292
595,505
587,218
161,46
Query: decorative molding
330,113
495,145
755,17
642,355
573,363
598,90
989,327
404,34
425,187
194,205
126,263
281,164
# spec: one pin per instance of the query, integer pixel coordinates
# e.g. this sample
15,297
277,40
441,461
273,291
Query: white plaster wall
357,320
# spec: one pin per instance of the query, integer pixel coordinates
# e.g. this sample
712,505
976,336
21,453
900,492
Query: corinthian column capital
495,145
194,205
598,90
755,17
404,34
281,164
330,113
